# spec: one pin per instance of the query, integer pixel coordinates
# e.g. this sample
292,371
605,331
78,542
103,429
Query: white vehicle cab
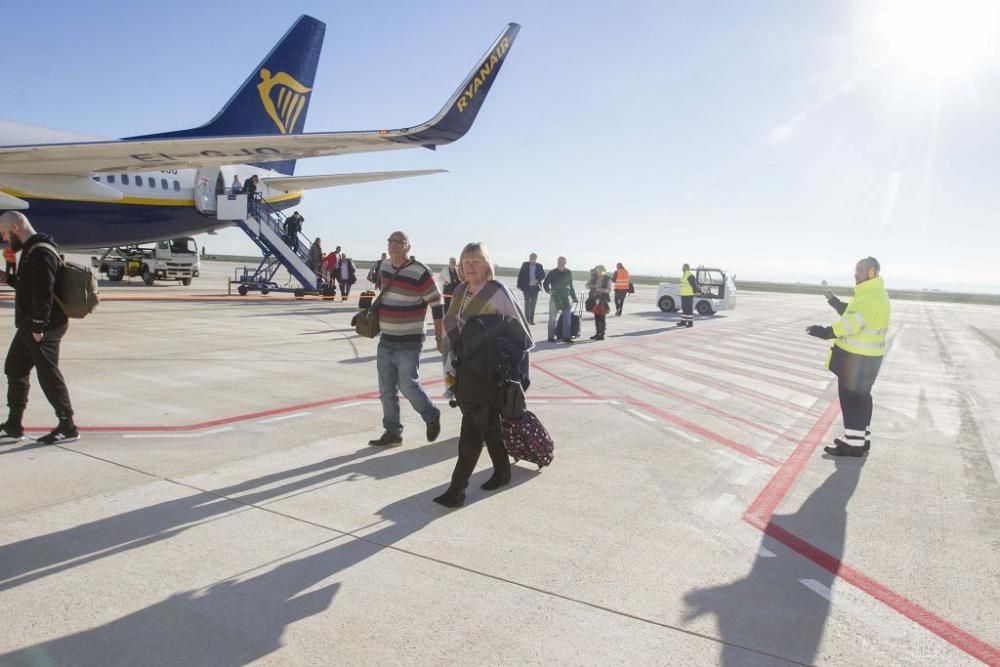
718,292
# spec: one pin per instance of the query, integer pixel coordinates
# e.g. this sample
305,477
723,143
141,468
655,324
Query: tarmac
224,508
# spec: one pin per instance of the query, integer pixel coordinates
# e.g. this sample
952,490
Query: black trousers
479,424
601,323
620,295
855,376
345,289
687,308
25,354
530,299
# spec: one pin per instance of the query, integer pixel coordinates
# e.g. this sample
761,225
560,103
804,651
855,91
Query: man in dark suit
529,281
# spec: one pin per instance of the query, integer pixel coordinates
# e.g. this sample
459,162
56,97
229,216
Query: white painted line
615,402
351,405
587,401
281,418
721,503
682,434
746,476
817,588
732,457
221,429
532,400
641,415
764,552
196,434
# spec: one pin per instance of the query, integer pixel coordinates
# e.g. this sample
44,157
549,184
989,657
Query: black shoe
599,337
596,337
552,339
451,498
11,433
434,429
496,481
841,448
61,434
388,439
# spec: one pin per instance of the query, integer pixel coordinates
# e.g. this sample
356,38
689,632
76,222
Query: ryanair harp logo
283,98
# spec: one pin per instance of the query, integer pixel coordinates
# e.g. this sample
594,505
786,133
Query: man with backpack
39,327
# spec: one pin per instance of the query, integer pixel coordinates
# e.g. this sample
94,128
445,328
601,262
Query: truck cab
718,292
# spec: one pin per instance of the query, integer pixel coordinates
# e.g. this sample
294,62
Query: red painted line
762,509
538,367
659,389
705,433
714,382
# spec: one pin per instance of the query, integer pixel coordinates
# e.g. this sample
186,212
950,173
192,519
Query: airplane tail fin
274,99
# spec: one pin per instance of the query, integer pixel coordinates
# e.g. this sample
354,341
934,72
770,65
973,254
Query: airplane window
152,182
163,184
124,179
111,178
177,186
96,178
138,181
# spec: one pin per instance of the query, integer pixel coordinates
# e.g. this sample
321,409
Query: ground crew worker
689,287
623,283
856,354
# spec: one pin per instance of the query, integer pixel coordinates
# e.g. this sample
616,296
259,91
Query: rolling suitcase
574,326
365,299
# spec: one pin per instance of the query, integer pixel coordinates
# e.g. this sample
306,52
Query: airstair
266,227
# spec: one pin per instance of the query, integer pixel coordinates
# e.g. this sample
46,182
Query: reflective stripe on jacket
862,327
621,279
686,289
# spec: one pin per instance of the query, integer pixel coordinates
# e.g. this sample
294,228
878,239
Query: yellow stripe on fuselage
141,201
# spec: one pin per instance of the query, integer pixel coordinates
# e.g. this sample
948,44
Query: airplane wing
294,183
86,158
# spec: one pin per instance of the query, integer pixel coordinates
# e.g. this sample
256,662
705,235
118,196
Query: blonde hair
476,248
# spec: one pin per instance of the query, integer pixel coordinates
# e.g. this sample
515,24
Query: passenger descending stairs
265,225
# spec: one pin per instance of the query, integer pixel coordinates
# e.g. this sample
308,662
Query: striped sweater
402,309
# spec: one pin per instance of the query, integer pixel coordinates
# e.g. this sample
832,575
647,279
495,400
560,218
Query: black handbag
366,323
631,287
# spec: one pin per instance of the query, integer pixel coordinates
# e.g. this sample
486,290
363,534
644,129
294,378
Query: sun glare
942,38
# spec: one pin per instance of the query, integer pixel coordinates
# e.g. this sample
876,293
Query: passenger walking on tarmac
558,284
293,227
408,288
599,299
479,294
529,281
39,327
376,271
856,355
449,281
347,275
689,287
330,263
623,287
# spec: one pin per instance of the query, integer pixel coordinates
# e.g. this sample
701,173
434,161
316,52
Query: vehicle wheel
147,275
667,304
265,290
299,294
704,308
115,275
242,289
185,281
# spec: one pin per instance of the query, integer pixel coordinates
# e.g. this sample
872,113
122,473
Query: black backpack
491,364
76,289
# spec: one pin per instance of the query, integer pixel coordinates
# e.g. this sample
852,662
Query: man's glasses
397,241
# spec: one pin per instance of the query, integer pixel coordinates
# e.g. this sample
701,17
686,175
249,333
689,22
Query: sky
778,139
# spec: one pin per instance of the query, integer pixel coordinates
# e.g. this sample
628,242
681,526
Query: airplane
90,193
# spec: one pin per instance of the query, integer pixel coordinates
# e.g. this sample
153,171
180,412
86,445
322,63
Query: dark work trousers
855,376
25,354
345,289
601,323
293,241
530,299
687,310
479,424
620,295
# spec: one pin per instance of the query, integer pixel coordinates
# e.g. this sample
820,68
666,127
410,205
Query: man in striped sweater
402,313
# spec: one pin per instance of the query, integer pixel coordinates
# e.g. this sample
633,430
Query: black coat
34,305
522,275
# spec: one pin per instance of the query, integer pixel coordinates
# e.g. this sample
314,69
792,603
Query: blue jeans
397,365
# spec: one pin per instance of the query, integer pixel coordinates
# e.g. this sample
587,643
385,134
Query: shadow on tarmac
775,609
38,557
239,620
